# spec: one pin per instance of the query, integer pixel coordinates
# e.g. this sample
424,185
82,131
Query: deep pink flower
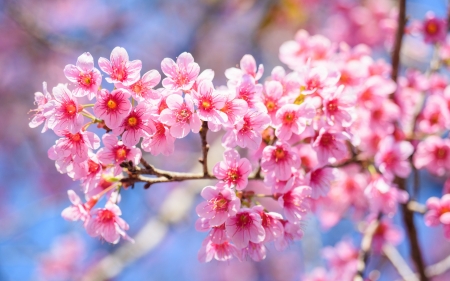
77,211
320,181
221,204
234,108
143,90
107,224
233,171
209,103
180,75
86,77
137,124
63,113
40,99
245,227
434,29
296,203
160,142
221,252
433,154
91,171
115,152
435,116
279,160
338,106
180,116
76,144
330,146
293,119
392,157
120,69
112,107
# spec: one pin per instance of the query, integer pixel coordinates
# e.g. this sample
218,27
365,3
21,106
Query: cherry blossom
120,69
86,77
233,171
180,75
112,107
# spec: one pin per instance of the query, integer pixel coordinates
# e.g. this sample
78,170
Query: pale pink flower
221,204
112,107
434,29
438,212
77,211
386,232
330,146
256,251
160,142
272,224
86,77
206,75
218,234
293,119
120,69
289,82
392,157
248,90
143,90
234,108
317,80
63,163
221,252
209,103
383,115
279,186
272,98
107,224
40,99
435,116
279,160
383,196
337,107
320,181
375,89
245,227
296,203
137,124
247,66
292,232
318,274
180,116
433,154
92,170
115,152
180,75
342,259
76,144
63,112
104,180
233,171
295,53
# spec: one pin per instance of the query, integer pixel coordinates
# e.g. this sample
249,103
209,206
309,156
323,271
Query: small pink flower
221,204
120,69
234,171
63,113
180,116
160,142
293,119
247,66
383,196
256,251
272,98
272,224
245,227
221,252
112,107
248,90
392,157
435,116
137,124
292,232
433,154
320,181
209,103
40,99
386,232
439,212
337,107
92,171
76,144
330,146
143,90
296,203
180,75
234,108
434,29
77,211
86,77
115,152
107,224
317,80
279,160
343,259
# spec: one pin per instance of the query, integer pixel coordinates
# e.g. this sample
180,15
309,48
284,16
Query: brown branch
398,39
150,170
205,148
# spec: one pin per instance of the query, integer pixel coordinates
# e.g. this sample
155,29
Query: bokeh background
39,37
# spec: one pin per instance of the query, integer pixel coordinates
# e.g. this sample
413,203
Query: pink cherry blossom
386,232
77,211
392,157
293,119
76,144
317,80
180,116
40,99
137,124
107,224
296,203
343,259
143,90
233,171
292,232
434,29
248,90
433,154
221,204
86,77
245,227
279,160
271,222
330,146
439,213
256,251
115,152
247,66
221,252
272,98
120,69
160,142
337,107
435,116
180,75
112,107
320,181
63,113
383,196
234,108
209,103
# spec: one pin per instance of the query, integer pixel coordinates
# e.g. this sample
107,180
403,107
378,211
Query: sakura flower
296,203
137,124
221,204
279,160
120,69
86,77
234,108
206,75
292,232
91,169
337,107
143,90
383,196
433,154
439,213
160,142
317,80
248,90
112,107
209,103
63,113
77,211
434,29
256,251
245,227
320,181
180,75
180,116
76,144
271,222
115,152
273,91
343,259
233,171
386,232
292,119
435,116
40,99
392,157
107,224
247,66
221,252
330,146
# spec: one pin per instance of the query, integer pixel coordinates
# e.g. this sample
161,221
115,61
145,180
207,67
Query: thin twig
205,148
399,263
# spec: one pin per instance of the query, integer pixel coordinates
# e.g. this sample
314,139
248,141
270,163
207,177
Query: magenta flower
245,227
296,203
92,172
435,116
330,146
221,204
120,69
433,154
76,145
439,213
234,171
112,107
86,77
77,211
209,102
434,29
337,107
160,142
292,119
40,99
279,160
137,124
221,252
180,116
180,75
115,152
63,113
143,90
320,181
392,157
107,224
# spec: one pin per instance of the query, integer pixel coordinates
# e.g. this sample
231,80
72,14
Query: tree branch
366,243
399,263
205,148
398,40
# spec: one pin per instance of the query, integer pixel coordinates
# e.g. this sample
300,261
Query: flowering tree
336,135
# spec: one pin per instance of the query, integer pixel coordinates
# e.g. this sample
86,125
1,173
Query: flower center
432,28
93,167
137,88
243,220
183,115
162,106
279,154
326,139
220,203
75,137
232,175
332,106
289,117
105,216
270,105
441,153
121,154
86,79
71,108
132,121
111,104
206,104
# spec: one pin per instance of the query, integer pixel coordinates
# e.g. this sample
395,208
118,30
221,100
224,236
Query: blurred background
39,37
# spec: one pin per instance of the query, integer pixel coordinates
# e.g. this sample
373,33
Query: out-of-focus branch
205,149
432,270
399,263
398,39
366,244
